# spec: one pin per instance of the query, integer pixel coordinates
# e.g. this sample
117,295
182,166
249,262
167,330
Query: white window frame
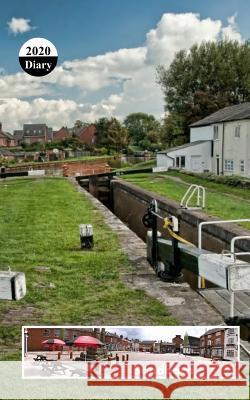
237,131
242,165
229,165
46,332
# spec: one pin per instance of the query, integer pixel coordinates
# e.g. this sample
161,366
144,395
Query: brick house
111,340
37,133
38,335
212,343
178,341
18,135
87,135
61,134
6,139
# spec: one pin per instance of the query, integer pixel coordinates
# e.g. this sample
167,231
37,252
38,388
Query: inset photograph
130,343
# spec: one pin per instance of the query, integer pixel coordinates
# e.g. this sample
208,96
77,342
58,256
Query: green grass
222,201
39,224
213,186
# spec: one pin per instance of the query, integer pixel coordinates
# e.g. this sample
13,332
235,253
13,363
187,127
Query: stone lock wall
130,204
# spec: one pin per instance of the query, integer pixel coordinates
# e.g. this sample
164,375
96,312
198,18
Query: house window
183,161
242,166
231,331
218,341
216,132
230,353
177,162
231,340
34,131
229,165
46,332
57,332
237,131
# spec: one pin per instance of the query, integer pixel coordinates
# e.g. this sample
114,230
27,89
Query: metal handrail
193,189
238,238
200,226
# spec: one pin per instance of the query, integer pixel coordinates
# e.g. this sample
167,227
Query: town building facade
220,343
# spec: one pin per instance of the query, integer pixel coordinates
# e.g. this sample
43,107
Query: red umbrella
87,341
52,343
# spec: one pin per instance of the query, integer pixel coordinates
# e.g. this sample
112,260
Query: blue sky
89,27
113,81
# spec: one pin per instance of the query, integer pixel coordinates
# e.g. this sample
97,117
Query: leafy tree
111,134
117,135
139,125
79,124
102,125
206,78
172,130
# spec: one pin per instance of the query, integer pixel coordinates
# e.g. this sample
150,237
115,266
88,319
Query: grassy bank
39,224
222,201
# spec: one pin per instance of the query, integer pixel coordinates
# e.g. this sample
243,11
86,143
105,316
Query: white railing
200,199
201,224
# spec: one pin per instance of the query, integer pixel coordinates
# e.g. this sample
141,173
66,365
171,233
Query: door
217,166
196,165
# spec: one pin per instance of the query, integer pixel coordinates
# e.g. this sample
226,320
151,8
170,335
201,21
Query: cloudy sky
165,333
108,51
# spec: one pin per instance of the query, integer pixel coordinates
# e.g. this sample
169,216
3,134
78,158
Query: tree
139,125
117,135
111,134
186,340
79,124
206,78
172,130
102,125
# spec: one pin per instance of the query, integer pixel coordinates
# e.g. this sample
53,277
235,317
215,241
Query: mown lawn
222,201
39,227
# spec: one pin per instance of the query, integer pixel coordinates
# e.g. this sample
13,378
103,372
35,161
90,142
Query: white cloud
232,31
22,85
175,32
128,71
54,112
94,73
19,25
